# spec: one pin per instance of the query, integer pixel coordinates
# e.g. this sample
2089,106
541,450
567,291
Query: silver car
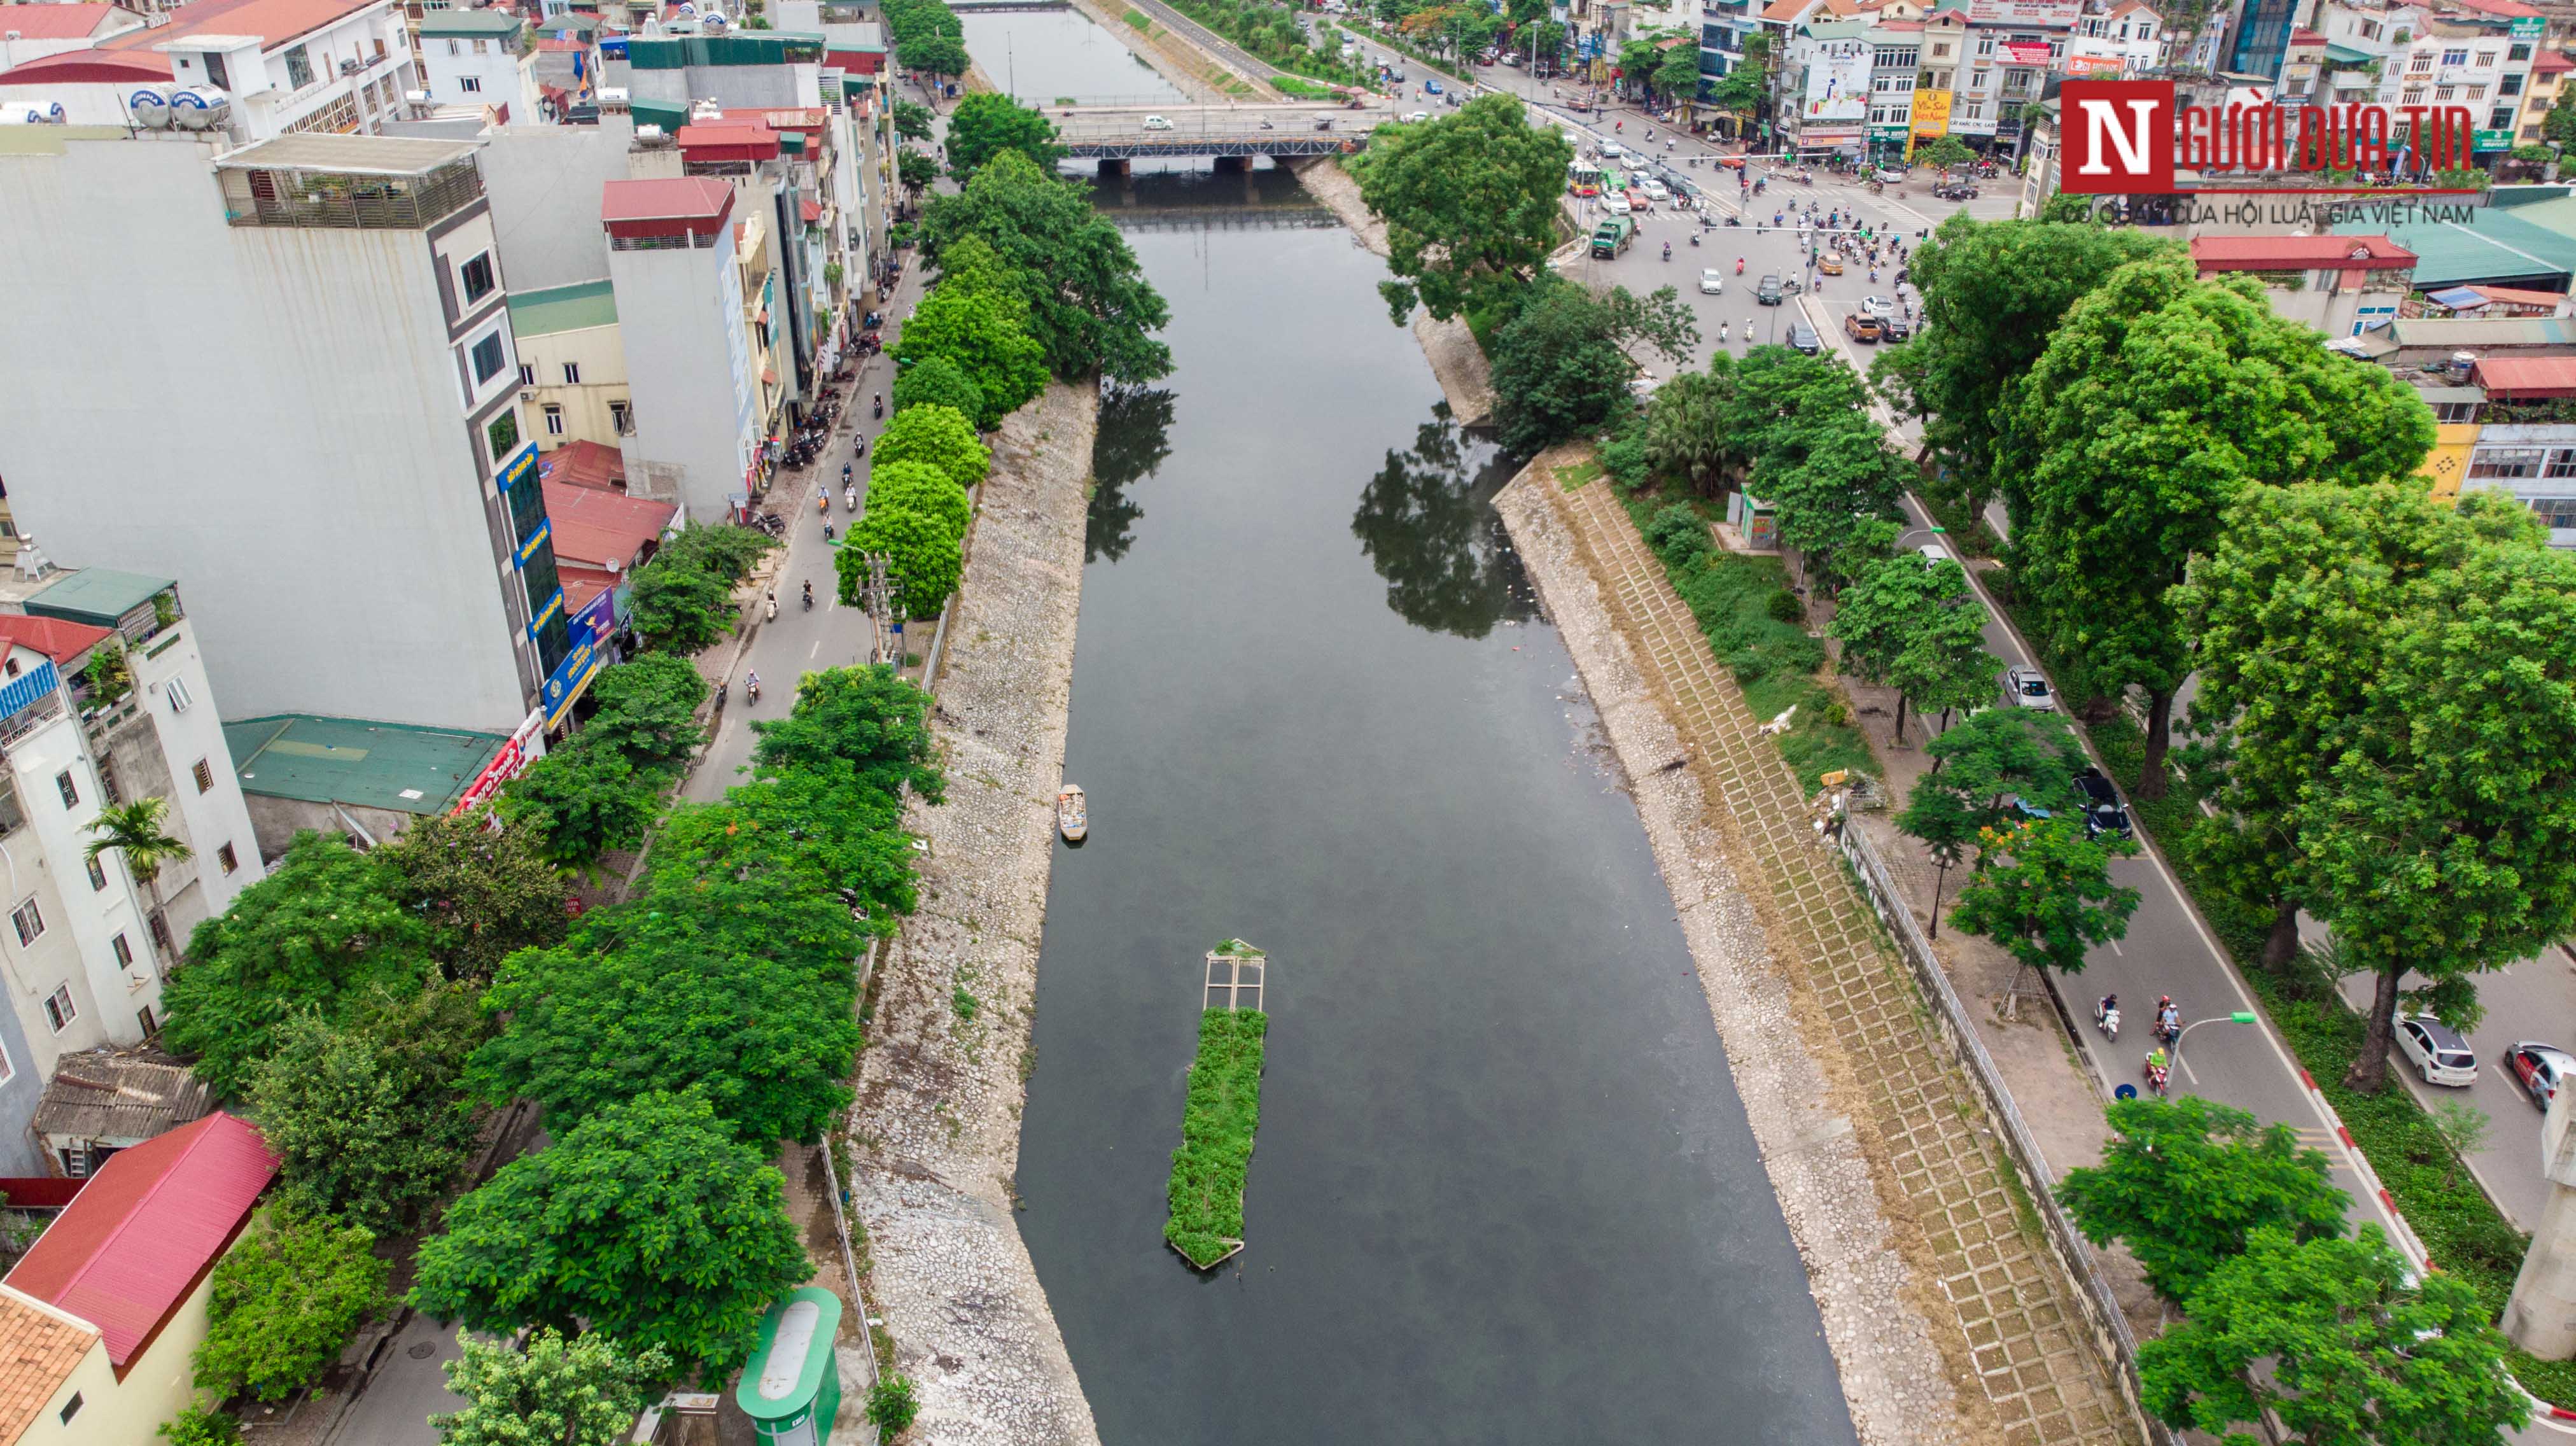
2029,688
2439,1055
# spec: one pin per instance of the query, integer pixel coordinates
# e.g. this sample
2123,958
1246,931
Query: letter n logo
2116,136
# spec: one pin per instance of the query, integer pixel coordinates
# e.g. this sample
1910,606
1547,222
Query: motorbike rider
809,592
773,605
2168,1018
1739,266
1721,331
751,687
1668,251
2103,1008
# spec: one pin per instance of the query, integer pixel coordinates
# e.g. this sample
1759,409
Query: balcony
349,183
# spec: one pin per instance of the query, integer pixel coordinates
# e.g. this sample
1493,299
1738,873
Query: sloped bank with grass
1217,1126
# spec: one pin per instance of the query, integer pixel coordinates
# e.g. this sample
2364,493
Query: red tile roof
2519,378
2551,62
2498,7
56,22
55,638
584,464
2299,253
275,22
810,209
147,1228
94,66
2516,296
39,1350
668,198
2304,36
596,527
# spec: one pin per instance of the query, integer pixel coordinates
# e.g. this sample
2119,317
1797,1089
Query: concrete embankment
936,1129
1466,378
1205,78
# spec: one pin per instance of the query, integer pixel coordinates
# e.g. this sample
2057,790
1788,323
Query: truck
1612,237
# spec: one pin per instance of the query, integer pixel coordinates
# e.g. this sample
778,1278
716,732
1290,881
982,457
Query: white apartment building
673,261
261,67
2126,39
336,460
2440,55
472,57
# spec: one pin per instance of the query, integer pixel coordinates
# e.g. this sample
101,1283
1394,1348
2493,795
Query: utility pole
877,596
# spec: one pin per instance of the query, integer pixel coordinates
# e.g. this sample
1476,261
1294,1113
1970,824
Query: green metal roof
2346,55
350,760
99,596
485,23
578,307
739,47
2526,243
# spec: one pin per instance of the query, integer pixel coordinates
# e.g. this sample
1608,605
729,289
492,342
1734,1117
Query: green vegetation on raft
1217,1125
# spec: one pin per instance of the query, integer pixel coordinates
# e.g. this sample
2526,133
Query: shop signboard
2025,52
2492,140
1838,84
2048,14
2106,67
1931,113
590,630
527,744
2528,27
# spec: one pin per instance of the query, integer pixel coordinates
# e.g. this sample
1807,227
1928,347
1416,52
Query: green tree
937,382
912,120
2559,125
1561,367
201,1426
1917,629
922,558
1747,86
1837,504
324,931
647,1222
984,336
942,57
2160,399
919,487
767,1042
891,1404
1945,153
1993,292
579,803
1469,201
2341,1341
1686,433
728,553
988,123
941,436
680,608
2184,1182
137,830
914,169
647,711
368,1124
283,1303
2052,899
555,1392
1978,769
862,726
1676,75
485,890
1089,304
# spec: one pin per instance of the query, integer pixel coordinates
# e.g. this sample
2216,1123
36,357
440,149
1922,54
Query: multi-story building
32,32
2545,90
277,66
572,365
677,270
356,506
2477,55
1896,52
1823,92
474,57
2112,41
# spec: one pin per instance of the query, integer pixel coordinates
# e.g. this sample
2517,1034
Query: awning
2458,298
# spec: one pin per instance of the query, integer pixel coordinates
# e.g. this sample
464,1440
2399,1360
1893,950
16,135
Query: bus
1583,178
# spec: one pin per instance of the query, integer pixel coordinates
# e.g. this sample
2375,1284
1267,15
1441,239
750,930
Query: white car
1712,282
1614,203
1655,190
2029,688
1419,115
2438,1054
1877,306
1157,123
1934,554
1613,151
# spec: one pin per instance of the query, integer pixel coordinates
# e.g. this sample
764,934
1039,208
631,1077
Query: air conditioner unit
527,394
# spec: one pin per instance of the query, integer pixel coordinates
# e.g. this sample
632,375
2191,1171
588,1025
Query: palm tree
134,829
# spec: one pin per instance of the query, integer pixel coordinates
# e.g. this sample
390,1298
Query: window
1985,46
527,507
166,946
107,789
470,82
58,1008
2510,85
2506,462
124,952
503,434
2456,57
31,924
2414,95
2555,512
477,276
2422,64
554,421
71,1408
2477,92
572,374
204,773
2445,92
488,358
1976,110
2485,58
621,418
2562,463
215,73
482,47
2517,54
97,875
70,790
527,374
2500,119
455,49
224,855
177,691
299,68
380,49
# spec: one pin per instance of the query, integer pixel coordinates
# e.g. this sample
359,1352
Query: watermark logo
2130,137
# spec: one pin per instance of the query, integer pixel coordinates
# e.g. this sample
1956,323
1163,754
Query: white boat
1070,819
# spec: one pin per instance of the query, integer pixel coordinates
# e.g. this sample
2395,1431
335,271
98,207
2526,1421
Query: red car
2541,1068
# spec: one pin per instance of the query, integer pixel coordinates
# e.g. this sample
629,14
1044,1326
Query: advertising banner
1931,113
2105,67
526,745
2024,53
1837,84
590,631
2051,14
2493,140
2528,27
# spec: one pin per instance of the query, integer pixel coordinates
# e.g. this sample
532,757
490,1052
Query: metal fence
2101,1310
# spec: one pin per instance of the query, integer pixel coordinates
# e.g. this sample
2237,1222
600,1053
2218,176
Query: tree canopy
484,890
2183,1183
1990,758
937,382
988,123
1090,307
1561,366
370,1122
1917,629
284,1302
921,552
648,1222
2051,898
986,337
554,1392
919,487
1469,201
940,436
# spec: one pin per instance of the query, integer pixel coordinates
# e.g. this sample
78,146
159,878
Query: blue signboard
521,466
590,630
27,689
528,549
545,614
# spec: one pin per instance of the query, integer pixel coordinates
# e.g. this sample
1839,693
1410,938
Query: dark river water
1503,1190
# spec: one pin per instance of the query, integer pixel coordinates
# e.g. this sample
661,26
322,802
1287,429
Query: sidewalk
1995,1291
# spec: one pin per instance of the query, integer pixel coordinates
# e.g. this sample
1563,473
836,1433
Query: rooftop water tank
39,112
200,108
149,105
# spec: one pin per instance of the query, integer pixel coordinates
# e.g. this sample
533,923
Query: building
675,261
474,57
2549,70
280,66
2341,285
102,1102
364,780
602,537
32,32
2532,247
106,1308
1896,52
1824,96
572,365
356,509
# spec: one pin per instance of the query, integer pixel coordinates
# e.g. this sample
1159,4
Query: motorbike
773,607
751,690
827,529
1805,180
1694,238
1734,220
823,504
2156,1076
880,407
1739,266
1668,251
2107,1021
850,499
2169,1030
720,693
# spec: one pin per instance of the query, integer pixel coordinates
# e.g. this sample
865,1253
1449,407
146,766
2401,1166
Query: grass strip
1140,20
1216,1137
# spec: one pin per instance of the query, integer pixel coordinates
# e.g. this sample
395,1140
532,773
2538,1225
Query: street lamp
2242,1016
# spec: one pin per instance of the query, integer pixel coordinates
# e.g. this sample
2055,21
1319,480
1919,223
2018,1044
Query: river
1503,1189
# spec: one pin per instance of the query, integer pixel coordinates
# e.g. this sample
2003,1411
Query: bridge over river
1115,134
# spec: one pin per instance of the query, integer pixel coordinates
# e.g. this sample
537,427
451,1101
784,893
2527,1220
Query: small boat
1070,819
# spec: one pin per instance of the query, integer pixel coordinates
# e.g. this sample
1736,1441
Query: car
1766,292
1655,190
2028,688
2438,1054
1955,191
1893,328
1830,265
1157,123
1643,388
1431,87
1803,337
1933,554
1861,328
1613,151
2541,1068
2102,811
1712,282
1419,115
1615,202
1639,200
1877,306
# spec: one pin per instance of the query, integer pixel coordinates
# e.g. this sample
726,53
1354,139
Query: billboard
2095,67
2528,27
2047,14
1837,84
2021,52
1931,113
